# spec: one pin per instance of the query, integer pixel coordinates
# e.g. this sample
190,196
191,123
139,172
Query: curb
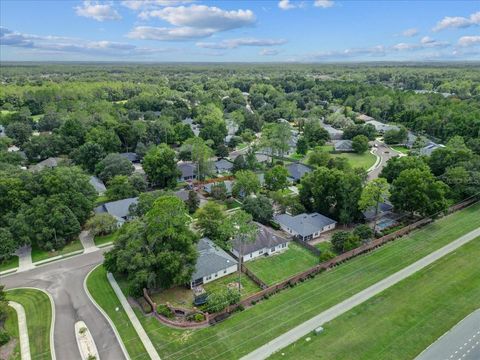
59,257
105,315
377,161
52,323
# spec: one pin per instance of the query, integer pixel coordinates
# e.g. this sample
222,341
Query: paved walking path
23,330
308,326
24,258
133,319
460,342
86,239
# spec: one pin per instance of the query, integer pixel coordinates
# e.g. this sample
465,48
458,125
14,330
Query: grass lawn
100,289
235,204
179,296
39,254
242,146
101,199
38,311
247,330
37,118
11,327
401,149
324,246
100,240
275,268
365,160
403,320
10,263
248,286
297,156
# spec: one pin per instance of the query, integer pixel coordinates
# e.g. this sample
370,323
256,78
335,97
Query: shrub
164,310
220,300
326,255
198,317
4,337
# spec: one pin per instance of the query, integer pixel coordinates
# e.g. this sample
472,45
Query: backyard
247,330
404,319
248,286
275,268
38,310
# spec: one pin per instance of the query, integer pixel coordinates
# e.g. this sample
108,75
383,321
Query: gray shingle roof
343,145
266,238
382,127
187,170
297,170
97,184
383,207
228,185
427,150
51,162
118,209
133,157
304,224
211,259
223,165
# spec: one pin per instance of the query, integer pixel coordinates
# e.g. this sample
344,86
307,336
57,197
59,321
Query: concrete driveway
64,281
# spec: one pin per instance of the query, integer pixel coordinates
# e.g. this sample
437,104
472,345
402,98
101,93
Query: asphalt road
385,154
64,281
308,326
462,342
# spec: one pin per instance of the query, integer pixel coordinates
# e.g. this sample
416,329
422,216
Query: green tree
18,131
201,155
7,244
157,251
119,187
318,157
314,133
246,183
418,192
88,156
373,194
343,241
211,218
276,178
193,201
360,144
259,207
101,224
112,165
276,138
396,165
161,167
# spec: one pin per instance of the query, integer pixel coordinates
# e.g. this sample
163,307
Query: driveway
461,342
64,281
385,154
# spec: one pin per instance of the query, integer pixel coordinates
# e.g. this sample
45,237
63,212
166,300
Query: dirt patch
7,351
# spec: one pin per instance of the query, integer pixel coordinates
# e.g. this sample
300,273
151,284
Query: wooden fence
307,246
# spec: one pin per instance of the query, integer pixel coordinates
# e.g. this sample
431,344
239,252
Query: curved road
385,153
64,281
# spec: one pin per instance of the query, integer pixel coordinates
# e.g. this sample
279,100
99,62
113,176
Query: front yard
39,254
105,239
365,160
275,268
9,264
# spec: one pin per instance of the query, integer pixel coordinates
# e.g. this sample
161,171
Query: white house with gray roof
305,226
212,263
343,145
267,242
382,127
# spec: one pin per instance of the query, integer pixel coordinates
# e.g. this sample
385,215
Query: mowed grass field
275,268
103,294
38,311
39,254
247,330
403,320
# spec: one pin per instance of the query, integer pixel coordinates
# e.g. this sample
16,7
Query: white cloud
168,34
427,40
458,22
286,5
425,43
467,41
97,11
57,44
143,4
203,17
268,52
323,3
410,32
235,43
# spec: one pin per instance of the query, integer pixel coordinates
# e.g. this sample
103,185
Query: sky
239,31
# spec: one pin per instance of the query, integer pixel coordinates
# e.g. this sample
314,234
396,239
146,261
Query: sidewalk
308,326
133,319
23,330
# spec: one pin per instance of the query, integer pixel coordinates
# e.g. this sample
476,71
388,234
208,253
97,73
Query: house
195,128
188,171
297,170
335,134
50,163
119,209
133,157
182,194
228,186
98,185
223,166
262,158
364,118
384,208
429,148
305,226
382,127
343,146
212,263
13,148
267,242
